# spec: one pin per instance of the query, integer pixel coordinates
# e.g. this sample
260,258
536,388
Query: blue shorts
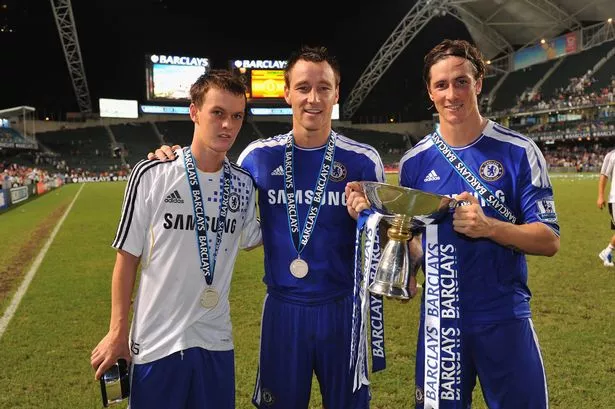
191,379
299,340
507,360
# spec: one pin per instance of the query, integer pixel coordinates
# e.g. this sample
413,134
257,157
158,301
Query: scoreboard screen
264,79
168,78
267,83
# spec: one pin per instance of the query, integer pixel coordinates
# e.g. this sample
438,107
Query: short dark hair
454,48
216,78
312,54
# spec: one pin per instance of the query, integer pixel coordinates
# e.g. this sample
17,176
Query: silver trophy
115,383
405,210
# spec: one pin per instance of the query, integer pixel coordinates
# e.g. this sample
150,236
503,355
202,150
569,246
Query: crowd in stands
574,130
576,94
14,175
37,166
5,137
578,157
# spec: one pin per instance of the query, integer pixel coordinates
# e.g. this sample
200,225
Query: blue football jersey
493,278
330,249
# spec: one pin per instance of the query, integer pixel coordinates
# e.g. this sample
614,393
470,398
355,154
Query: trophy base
388,290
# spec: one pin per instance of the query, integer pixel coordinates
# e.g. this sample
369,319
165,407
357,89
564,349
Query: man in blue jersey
478,254
309,244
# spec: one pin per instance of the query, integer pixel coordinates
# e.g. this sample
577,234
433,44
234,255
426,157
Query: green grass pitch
45,350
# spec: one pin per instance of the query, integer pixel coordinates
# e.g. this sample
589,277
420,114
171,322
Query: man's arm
251,235
531,238
605,170
115,344
602,182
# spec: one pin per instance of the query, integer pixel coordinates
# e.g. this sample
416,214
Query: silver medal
209,298
299,268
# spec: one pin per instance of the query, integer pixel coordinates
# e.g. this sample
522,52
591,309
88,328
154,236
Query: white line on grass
21,291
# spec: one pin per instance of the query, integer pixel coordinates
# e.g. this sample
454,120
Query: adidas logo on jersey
174,198
279,171
431,176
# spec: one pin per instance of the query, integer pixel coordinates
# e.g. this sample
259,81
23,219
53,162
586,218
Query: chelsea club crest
338,173
234,202
491,170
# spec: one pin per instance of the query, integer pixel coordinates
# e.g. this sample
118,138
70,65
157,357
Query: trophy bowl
405,209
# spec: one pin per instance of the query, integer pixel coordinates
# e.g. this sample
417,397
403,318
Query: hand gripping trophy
405,210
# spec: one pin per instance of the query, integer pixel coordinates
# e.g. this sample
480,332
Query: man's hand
356,201
164,153
600,202
111,348
469,219
415,253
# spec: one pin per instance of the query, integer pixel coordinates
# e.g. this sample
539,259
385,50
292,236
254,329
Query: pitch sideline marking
21,291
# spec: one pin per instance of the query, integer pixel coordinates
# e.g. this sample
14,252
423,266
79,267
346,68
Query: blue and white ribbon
207,259
301,235
368,312
442,330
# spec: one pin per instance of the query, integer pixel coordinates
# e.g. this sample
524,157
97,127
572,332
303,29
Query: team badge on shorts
268,398
234,202
418,395
338,173
491,170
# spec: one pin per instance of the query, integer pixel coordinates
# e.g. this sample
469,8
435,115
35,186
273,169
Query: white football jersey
608,170
158,224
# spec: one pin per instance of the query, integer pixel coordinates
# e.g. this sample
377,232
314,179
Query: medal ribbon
301,238
367,306
471,179
442,315
208,261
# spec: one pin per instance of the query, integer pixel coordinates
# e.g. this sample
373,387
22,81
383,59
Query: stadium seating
574,66
517,82
84,148
136,139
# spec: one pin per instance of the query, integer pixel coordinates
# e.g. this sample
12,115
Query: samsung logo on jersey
267,64
186,222
175,60
306,197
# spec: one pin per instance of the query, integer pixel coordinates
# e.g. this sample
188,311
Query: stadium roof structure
526,22
498,27
16,111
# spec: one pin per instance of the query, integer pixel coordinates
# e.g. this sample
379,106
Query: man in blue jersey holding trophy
475,312
478,254
311,324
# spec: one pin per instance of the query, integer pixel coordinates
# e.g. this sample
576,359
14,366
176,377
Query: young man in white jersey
475,312
310,322
183,222
607,172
